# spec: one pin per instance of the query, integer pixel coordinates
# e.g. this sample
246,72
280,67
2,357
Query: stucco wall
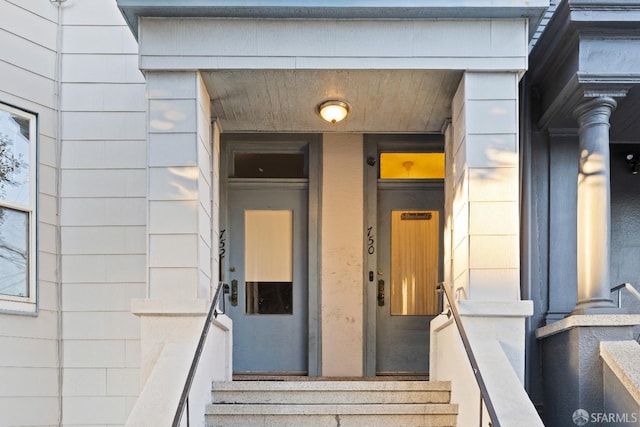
625,224
342,255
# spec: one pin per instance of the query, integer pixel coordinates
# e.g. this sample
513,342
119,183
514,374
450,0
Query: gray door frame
282,143
374,144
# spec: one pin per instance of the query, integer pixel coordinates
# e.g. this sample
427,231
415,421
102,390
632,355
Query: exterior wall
105,199
342,255
625,227
103,213
625,221
535,241
29,357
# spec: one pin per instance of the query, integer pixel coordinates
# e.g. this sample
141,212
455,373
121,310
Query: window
414,262
412,165
269,165
268,248
17,210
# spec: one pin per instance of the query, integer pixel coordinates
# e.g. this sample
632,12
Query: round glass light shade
333,111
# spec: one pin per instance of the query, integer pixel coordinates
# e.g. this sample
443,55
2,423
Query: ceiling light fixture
333,110
634,160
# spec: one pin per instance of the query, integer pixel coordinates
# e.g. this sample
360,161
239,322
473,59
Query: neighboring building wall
29,361
342,255
103,213
625,226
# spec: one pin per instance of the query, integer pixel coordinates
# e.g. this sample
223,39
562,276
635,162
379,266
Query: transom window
269,165
412,165
17,210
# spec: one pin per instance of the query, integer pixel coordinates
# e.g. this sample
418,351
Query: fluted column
594,216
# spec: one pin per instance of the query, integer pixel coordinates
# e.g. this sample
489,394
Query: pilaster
181,201
562,231
484,168
482,219
179,185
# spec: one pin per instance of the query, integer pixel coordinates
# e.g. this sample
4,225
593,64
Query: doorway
266,228
405,202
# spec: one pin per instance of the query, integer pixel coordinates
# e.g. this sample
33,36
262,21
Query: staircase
342,403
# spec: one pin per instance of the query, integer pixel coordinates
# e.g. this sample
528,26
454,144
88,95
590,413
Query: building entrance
407,253
267,264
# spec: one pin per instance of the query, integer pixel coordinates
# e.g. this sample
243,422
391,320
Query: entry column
182,204
482,215
594,215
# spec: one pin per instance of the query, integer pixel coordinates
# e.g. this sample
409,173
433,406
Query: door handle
381,293
234,292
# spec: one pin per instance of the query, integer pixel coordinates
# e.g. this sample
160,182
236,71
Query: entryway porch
456,76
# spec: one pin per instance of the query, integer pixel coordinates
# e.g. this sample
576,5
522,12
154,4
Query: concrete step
331,392
337,421
331,403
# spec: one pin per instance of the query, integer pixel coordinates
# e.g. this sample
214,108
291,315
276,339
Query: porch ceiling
412,101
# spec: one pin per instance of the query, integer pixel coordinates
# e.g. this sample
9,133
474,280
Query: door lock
234,292
381,293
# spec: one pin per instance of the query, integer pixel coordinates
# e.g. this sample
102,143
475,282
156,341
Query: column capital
595,111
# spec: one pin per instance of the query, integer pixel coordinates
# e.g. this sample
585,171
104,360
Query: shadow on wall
625,225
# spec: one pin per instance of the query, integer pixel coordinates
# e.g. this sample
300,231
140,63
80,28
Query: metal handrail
484,394
629,288
184,398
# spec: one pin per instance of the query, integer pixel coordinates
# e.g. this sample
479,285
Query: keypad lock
381,293
234,293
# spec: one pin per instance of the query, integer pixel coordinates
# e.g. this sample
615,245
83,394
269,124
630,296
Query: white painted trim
12,304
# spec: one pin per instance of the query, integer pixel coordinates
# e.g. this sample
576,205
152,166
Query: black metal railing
629,288
183,404
485,399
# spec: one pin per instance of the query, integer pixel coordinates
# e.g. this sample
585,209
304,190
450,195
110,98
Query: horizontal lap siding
29,350
103,213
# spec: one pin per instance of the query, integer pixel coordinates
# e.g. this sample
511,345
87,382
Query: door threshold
298,377
269,376
403,376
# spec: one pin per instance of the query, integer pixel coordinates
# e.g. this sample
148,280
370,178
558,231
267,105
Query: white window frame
29,303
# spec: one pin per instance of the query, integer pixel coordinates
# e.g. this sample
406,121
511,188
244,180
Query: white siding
29,351
103,214
482,44
483,203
